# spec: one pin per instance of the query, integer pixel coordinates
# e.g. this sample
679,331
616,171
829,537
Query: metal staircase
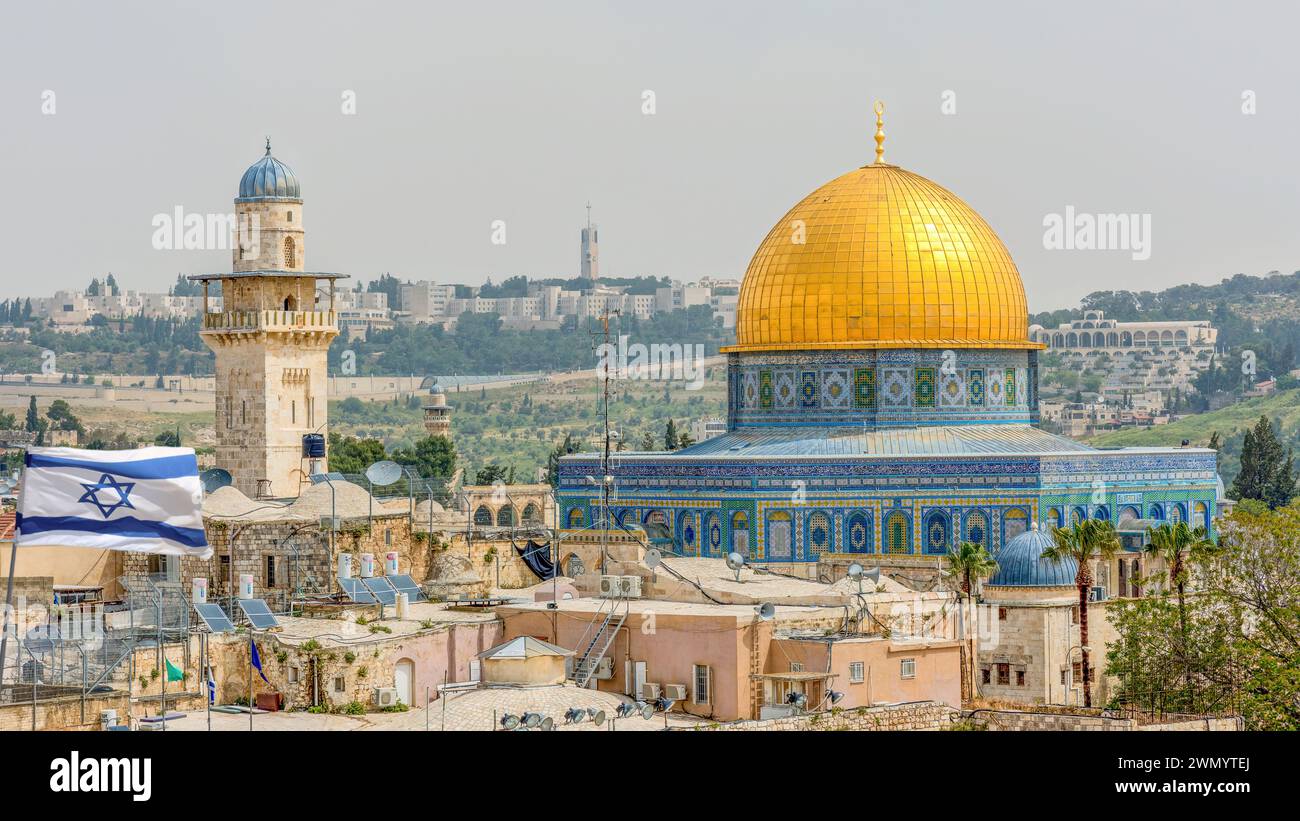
610,618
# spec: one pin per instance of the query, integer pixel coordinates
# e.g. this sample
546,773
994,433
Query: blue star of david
108,482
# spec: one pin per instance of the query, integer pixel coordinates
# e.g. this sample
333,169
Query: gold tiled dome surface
888,260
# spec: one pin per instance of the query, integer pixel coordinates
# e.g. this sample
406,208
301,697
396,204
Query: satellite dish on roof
384,473
653,558
215,478
735,561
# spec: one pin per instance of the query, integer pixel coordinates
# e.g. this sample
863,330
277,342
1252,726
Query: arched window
740,535
897,538
936,533
1055,516
1077,514
483,516
1202,514
291,303
532,514
506,516
821,538
1156,512
687,533
858,531
1128,514
712,536
977,528
1101,514
576,517
1014,522
290,253
572,566
656,517
1175,513
780,537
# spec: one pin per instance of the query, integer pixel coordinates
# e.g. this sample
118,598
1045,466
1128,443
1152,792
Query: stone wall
1020,721
923,715
63,712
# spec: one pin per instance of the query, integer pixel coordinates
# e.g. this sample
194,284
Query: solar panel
259,615
356,591
381,589
405,584
214,617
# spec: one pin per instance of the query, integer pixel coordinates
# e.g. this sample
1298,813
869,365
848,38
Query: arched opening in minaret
290,303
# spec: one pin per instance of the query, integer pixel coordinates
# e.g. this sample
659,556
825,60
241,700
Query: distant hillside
1231,423
1261,314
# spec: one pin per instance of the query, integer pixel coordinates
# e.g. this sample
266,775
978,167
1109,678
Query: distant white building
1096,331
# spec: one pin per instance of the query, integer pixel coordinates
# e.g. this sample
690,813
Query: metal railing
268,320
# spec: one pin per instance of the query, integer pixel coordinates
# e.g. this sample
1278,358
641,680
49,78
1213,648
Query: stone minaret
437,413
270,339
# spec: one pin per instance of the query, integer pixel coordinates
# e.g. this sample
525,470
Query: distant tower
437,413
590,249
269,339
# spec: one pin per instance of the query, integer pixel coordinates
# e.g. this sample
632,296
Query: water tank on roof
313,445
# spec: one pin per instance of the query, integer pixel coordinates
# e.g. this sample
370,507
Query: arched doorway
404,681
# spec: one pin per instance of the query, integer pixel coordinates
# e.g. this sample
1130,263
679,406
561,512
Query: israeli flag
147,500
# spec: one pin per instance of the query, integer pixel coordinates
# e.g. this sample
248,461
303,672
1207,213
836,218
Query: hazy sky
472,112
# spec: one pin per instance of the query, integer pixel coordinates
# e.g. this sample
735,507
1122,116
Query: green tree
432,457
1083,542
62,418
648,441
1175,543
670,435
168,439
1266,470
553,460
684,440
968,563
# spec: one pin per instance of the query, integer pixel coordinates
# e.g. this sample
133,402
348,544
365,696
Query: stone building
1096,331
269,339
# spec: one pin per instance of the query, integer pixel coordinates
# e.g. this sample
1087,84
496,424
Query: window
796,667
293,675
1062,676
1020,678
1004,673
857,673
1002,614
701,678
907,668
290,257
1078,671
388,536
1074,614
293,412
339,686
270,571
987,675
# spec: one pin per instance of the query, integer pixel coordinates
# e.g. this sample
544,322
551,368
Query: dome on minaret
268,178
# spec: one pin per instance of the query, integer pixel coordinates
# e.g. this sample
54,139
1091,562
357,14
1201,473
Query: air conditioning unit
385,696
649,691
620,587
675,692
630,587
1098,594
604,669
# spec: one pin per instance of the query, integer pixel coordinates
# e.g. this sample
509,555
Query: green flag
173,672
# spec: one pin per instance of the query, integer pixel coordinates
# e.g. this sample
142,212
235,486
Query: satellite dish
384,473
653,558
854,570
510,722
215,478
766,611
597,716
735,561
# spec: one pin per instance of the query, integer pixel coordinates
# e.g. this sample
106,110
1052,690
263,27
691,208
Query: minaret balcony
273,321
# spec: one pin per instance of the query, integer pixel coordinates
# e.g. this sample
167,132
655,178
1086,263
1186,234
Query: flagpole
252,648
207,692
166,675
9,586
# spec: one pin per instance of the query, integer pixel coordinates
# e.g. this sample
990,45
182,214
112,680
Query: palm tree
1175,544
969,562
1084,541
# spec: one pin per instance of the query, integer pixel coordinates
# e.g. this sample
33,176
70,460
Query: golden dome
881,258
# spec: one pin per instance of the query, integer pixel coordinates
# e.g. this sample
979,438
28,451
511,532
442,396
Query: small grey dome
1021,563
268,178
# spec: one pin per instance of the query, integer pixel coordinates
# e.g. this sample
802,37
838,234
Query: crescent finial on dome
880,131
